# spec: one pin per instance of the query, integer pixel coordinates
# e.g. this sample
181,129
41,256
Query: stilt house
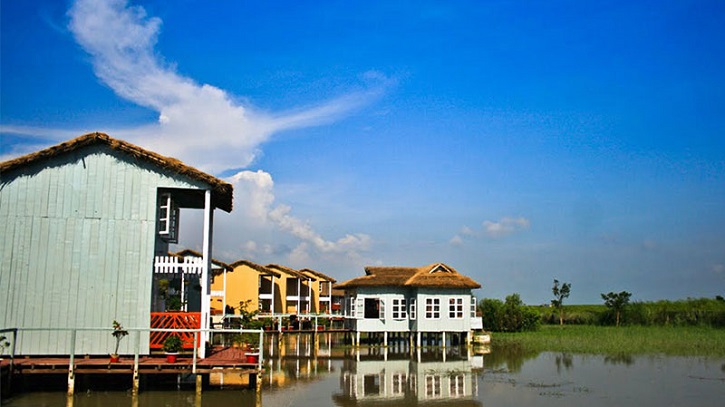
430,299
84,227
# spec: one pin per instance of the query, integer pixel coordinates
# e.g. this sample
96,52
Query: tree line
512,315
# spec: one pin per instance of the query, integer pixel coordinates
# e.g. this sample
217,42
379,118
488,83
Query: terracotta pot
171,357
252,358
115,358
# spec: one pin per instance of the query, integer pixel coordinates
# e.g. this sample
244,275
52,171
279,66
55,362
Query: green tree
509,316
617,302
559,294
491,312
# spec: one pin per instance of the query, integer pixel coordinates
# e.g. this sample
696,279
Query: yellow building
295,290
321,292
270,289
246,281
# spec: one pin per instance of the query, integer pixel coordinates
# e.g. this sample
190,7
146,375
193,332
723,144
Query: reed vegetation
609,340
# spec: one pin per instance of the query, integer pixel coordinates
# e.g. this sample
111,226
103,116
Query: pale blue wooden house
429,304
85,227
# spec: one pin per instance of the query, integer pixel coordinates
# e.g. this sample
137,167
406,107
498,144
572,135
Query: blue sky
515,141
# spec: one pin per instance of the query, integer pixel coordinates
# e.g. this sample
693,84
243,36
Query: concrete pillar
385,339
443,341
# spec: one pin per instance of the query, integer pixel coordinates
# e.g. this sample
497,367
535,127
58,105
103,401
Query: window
374,308
399,383
372,384
457,386
412,308
473,307
432,308
359,307
399,310
455,308
432,386
168,219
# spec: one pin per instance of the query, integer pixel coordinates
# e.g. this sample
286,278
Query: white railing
174,265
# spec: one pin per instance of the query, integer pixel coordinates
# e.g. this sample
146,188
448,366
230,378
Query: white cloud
198,123
505,226
254,198
211,129
718,268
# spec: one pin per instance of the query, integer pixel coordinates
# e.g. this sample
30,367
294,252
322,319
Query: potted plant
118,333
172,346
4,343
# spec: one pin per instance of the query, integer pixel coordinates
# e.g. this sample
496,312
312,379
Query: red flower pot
171,357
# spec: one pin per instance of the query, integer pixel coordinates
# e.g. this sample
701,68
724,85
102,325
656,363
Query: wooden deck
227,358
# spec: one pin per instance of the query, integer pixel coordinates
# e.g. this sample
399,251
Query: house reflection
437,376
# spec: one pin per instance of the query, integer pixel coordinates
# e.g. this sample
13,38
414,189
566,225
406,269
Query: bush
509,316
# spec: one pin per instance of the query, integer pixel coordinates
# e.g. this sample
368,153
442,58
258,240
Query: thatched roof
254,266
437,275
290,271
221,190
317,274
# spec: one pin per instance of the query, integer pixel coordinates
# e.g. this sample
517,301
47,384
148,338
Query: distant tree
617,302
559,294
491,313
509,316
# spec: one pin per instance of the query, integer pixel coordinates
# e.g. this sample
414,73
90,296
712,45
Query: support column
443,341
385,339
135,387
199,385
205,275
71,365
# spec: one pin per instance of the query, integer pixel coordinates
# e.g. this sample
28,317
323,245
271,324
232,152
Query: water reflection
304,370
376,375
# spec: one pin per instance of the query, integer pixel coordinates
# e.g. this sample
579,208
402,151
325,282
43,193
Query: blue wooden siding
77,248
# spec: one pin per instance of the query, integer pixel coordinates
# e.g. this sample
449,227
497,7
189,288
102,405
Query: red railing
174,320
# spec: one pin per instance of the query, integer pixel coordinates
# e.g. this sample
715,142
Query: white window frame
473,307
412,309
457,385
455,308
400,311
360,308
432,386
168,215
433,308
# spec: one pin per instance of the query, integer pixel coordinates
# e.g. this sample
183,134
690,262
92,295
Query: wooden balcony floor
226,358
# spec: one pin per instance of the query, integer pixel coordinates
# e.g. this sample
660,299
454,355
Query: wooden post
135,388
71,365
199,385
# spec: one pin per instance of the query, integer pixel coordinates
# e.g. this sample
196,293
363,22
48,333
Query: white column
309,294
271,308
299,295
205,278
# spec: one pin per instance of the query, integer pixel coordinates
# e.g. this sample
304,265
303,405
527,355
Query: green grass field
607,340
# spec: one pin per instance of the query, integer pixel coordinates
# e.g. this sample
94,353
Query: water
375,378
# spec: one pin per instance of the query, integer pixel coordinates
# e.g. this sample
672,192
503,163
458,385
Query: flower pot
171,357
252,358
115,358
